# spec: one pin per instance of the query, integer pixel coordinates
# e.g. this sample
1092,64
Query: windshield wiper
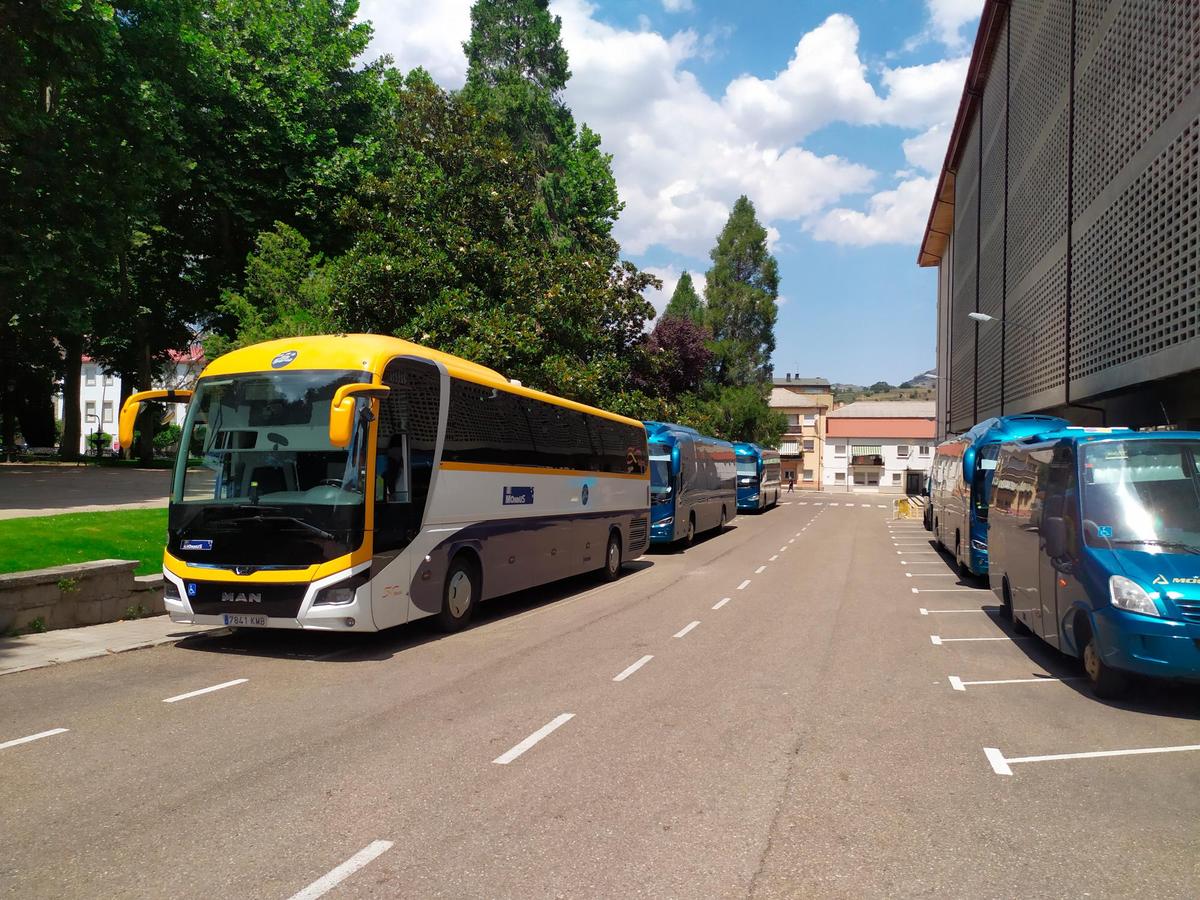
1153,542
292,519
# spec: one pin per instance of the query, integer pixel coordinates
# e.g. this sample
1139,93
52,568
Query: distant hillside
919,388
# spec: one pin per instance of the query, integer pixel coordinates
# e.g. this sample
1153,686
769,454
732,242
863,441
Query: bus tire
690,537
721,524
1106,682
611,570
1006,608
460,595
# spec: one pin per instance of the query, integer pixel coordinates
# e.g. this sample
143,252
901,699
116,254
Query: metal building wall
1081,227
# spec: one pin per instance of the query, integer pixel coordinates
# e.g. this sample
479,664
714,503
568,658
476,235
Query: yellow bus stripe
538,470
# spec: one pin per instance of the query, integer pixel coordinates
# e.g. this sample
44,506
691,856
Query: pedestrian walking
791,484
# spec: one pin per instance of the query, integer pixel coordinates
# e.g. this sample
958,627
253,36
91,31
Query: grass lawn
43,541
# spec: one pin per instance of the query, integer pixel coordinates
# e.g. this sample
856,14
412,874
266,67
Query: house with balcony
805,402
879,446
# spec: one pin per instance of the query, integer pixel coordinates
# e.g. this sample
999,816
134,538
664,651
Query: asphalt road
807,738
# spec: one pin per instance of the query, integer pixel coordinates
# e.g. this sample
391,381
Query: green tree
739,413
740,294
685,302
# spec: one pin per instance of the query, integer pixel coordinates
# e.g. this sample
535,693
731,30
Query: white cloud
682,156
947,18
894,216
678,5
928,149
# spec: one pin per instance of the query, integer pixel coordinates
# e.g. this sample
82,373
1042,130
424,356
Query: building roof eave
940,223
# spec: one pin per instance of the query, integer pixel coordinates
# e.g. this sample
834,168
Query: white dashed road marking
33,737
553,725
685,629
721,602
959,685
207,690
625,673
1001,766
332,879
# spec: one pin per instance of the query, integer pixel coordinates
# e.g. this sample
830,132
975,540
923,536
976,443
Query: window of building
895,478
793,418
902,451
89,410
108,411
810,418
89,376
810,445
839,449
108,379
840,476
923,450
808,474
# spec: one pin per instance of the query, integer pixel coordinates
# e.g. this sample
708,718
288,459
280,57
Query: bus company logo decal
283,359
518,496
584,495
1160,580
195,544
240,597
1185,581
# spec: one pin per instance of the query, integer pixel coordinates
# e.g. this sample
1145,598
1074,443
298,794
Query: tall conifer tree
740,295
685,302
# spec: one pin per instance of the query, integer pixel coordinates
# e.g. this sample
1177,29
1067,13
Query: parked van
1094,540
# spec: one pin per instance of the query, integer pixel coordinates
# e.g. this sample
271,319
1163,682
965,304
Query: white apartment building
100,394
881,446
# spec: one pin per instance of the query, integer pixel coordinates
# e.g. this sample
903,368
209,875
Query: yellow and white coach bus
356,482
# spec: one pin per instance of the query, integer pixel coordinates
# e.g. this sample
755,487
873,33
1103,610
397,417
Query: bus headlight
669,520
1132,596
980,546
340,594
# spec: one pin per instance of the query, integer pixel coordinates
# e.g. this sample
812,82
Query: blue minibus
692,482
1095,548
959,481
758,476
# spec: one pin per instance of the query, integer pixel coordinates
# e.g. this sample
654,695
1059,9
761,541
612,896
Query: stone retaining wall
81,594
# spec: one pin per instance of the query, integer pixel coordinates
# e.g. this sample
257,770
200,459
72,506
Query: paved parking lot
42,490
809,705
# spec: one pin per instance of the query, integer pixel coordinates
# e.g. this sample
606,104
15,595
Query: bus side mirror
129,410
341,409
1054,529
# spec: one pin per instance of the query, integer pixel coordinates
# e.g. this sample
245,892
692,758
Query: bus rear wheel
721,524
460,594
690,537
611,570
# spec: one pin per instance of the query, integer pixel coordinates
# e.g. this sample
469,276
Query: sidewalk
32,651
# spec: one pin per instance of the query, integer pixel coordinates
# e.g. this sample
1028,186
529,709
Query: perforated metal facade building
1069,211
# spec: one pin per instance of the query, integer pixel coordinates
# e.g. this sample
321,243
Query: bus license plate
246,621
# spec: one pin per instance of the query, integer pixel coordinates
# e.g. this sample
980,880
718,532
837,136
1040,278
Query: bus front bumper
1147,645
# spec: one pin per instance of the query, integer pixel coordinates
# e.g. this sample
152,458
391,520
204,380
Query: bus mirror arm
129,410
341,409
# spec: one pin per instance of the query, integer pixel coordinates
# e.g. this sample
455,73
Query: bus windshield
660,473
747,470
1142,494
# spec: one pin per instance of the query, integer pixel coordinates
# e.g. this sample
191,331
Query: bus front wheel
611,570
460,594
690,537
1105,681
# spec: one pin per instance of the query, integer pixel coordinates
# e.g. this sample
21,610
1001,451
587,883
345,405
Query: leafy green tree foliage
448,252
740,294
685,302
286,293
738,413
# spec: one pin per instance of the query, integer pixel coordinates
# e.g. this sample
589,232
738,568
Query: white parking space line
721,602
951,591
784,547
760,570
1001,765
553,725
959,685
33,737
744,585
817,503
938,640
918,553
930,575
336,876
207,690
990,610
625,673
773,558
685,629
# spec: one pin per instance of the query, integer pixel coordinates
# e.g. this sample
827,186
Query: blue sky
832,117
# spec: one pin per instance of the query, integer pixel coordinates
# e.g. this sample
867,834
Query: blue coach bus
758,476
1095,548
693,482
960,480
